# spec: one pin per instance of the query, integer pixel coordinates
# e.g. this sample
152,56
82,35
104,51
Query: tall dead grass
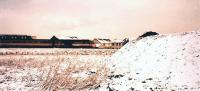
76,76
61,74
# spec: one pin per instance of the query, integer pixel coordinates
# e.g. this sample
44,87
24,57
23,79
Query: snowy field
52,69
155,63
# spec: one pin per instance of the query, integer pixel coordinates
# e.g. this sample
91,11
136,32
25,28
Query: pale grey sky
98,18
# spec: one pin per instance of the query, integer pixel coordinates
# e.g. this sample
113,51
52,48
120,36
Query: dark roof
12,35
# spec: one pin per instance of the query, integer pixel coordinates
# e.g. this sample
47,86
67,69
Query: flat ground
53,69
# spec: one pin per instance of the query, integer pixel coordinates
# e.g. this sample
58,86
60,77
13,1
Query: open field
155,63
55,51
53,69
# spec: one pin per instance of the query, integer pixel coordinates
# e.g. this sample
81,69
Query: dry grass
22,63
3,71
76,76
60,74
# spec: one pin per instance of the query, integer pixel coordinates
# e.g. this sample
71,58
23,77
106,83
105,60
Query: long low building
40,43
26,41
107,43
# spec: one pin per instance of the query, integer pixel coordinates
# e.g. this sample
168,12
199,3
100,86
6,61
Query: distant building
107,43
116,44
66,37
26,41
102,43
56,42
71,42
16,37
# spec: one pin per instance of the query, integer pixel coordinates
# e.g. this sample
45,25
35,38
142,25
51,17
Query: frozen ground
52,69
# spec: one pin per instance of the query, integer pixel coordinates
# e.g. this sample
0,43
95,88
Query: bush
149,33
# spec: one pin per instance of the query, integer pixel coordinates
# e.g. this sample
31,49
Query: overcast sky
98,18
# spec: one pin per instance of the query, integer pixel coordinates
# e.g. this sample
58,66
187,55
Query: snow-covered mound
155,63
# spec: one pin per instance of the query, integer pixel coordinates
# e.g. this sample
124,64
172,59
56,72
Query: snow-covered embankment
164,62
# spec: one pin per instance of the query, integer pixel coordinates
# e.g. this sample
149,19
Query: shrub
149,33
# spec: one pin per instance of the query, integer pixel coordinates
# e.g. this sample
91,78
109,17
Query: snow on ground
158,63
35,69
155,63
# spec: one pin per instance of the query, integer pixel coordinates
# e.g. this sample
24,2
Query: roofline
70,39
13,35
